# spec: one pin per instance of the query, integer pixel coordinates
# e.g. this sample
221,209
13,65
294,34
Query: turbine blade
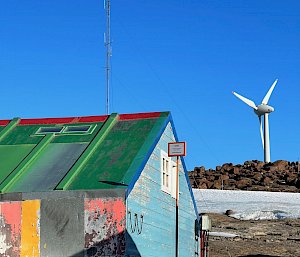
261,131
267,97
245,100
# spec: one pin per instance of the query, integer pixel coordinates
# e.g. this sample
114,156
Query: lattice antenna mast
107,43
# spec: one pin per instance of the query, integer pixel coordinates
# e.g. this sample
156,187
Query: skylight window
66,130
77,129
48,130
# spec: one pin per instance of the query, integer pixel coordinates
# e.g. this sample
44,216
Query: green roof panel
49,169
108,165
11,156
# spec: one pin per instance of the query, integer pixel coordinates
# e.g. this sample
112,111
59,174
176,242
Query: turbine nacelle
262,109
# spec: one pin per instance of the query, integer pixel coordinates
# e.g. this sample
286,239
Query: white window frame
168,178
72,129
49,130
66,130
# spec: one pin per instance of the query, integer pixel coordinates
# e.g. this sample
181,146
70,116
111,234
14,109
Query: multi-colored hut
93,186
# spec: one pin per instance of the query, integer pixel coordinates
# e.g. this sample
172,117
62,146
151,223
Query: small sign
176,149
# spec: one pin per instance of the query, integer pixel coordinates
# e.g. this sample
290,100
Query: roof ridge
81,119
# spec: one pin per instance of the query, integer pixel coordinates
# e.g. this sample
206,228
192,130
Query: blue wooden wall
150,214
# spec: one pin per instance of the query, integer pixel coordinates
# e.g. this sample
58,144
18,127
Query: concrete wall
151,211
60,224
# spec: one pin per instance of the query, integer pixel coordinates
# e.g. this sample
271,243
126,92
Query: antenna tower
107,43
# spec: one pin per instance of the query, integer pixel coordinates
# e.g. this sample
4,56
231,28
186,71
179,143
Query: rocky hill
282,176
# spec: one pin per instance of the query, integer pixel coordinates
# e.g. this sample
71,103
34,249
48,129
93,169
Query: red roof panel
93,118
136,116
87,119
46,121
68,120
4,122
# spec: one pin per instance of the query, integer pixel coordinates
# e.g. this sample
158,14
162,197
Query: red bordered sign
177,149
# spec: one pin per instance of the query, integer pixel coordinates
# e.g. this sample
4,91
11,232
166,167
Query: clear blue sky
185,56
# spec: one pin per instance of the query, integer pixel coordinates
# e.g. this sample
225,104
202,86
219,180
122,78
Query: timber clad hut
93,186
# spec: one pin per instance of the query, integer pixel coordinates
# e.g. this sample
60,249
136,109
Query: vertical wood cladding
151,211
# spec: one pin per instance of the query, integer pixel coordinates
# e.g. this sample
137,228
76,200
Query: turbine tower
262,110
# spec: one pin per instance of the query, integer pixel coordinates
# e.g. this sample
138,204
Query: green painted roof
81,153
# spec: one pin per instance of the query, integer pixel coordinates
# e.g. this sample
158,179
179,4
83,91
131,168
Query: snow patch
249,205
222,234
259,215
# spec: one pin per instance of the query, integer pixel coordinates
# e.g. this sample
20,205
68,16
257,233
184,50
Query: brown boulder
243,183
267,181
234,170
203,185
227,166
257,177
208,183
280,164
224,177
292,179
217,184
273,168
259,166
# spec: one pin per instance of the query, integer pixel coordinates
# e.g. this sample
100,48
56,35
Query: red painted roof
67,120
87,119
4,122
136,116
93,118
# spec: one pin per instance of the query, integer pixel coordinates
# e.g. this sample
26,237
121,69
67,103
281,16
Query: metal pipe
177,202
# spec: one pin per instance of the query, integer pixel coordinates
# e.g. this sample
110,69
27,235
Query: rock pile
281,176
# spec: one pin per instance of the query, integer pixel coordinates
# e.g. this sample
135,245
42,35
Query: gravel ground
269,238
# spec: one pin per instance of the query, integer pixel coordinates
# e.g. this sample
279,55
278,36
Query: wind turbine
262,110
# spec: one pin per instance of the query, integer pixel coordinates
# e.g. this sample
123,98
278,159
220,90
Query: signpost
177,149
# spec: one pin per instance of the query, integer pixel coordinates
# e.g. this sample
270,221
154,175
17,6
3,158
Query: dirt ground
264,238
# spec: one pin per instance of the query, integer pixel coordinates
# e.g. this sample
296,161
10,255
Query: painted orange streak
30,235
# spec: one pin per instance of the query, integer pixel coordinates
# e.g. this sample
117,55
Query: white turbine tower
262,110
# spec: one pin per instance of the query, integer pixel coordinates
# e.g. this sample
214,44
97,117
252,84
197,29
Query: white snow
249,205
222,234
